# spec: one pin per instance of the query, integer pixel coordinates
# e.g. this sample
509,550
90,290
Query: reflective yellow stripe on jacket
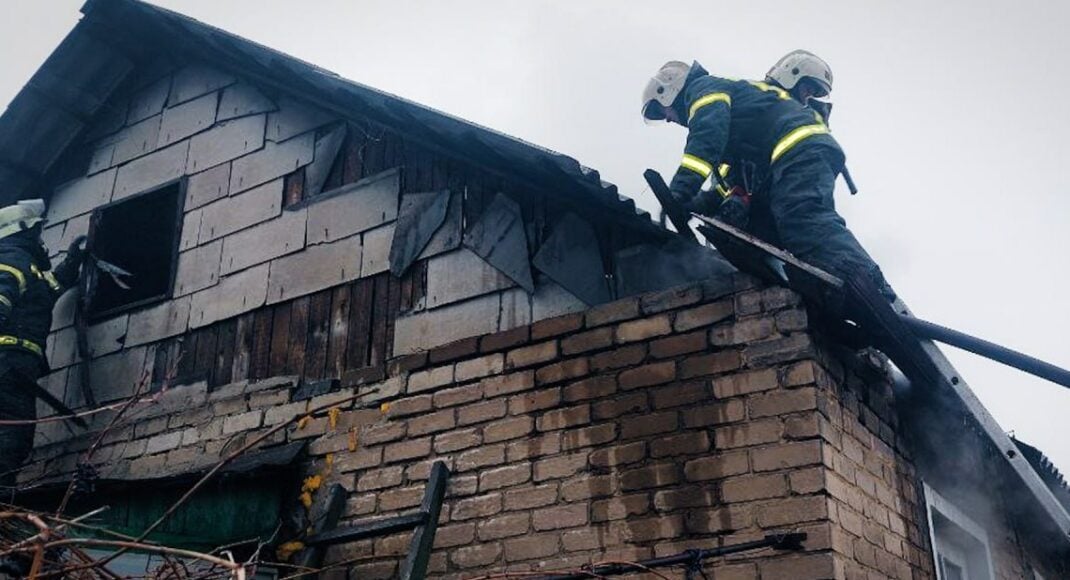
47,276
795,136
708,100
33,347
19,276
697,165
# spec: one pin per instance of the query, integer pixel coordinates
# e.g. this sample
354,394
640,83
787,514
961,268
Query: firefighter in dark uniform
29,288
781,160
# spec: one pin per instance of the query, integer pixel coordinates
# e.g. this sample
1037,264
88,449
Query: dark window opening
140,235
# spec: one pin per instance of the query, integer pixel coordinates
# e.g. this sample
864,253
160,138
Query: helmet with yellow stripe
21,216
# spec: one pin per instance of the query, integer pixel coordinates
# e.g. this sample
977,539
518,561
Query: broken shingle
498,237
571,257
420,217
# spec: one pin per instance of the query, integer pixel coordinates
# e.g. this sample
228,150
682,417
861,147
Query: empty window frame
139,234
960,545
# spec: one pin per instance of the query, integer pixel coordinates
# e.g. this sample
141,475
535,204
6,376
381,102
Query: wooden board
206,350
339,331
225,347
353,152
380,306
295,360
360,314
280,340
293,187
319,319
260,356
243,347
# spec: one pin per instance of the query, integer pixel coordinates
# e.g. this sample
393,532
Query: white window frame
977,561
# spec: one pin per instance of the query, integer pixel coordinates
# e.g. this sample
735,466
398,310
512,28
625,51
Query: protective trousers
16,403
797,213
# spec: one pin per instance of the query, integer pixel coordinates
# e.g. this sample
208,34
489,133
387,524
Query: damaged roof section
98,55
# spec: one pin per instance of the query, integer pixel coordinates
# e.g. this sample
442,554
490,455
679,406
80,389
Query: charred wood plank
360,315
243,347
380,313
224,360
336,347
280,340
295,359
319,328
260,359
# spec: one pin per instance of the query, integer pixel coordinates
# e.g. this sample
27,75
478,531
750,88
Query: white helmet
797,65
21,216
663,88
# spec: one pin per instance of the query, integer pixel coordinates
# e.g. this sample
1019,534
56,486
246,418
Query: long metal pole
1009,357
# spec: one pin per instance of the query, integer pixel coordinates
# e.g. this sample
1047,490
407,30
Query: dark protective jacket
748,125
28,291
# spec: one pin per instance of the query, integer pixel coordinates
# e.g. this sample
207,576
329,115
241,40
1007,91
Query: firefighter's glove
76,252
734,211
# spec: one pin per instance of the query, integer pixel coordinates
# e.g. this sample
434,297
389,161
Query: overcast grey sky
952,114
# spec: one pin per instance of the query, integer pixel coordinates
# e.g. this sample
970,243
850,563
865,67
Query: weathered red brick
525,498
729,411
650,424
428,379
777,297
791,320
432,423
587,487
620,357
479,506
590,538
500,477
710,364
457,440
716,467
670,299
671,346
807,567
360,459
562,371
620,507
406,364
455,535
800,373
742,332
454,350
407,449
685,497
588,436
508,428
457,395
794,510
612,312
802,426
747,434
647,375
720,519
480,457
376,570
531,447
557,517
687,443
704,315
477,368
805,481
504,339
480,412
643,329
560,466
778,350
786,455
657,475
596,339
410,406
633,403
564,417
476,555
506,384
543,398
400,498
532,354
531,547
591,388
655,528
504,526
744,383
379,478
556,326
382,433
782,402
619,454
752,487
677,395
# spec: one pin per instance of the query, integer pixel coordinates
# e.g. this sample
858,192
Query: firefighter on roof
29,288
776,159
